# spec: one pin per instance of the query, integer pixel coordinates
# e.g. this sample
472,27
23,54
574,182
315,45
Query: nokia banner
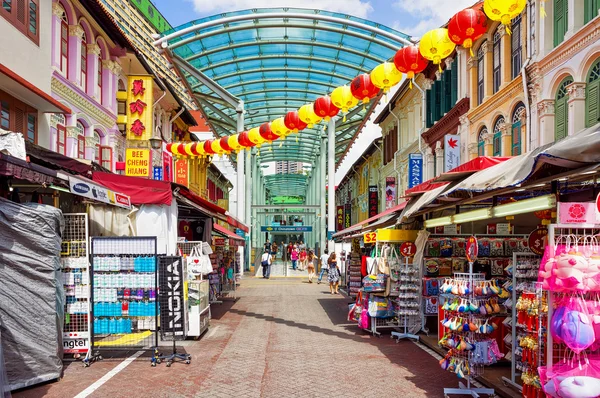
172,303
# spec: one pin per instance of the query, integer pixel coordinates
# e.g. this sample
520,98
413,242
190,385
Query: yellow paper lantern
385,76
234,143
503,10
342,98
175,148
307,114
200,149
436,45
188,149
255,137
217,148
278,127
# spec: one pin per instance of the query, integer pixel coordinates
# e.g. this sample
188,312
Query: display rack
408,302
124,288
74,259
525,268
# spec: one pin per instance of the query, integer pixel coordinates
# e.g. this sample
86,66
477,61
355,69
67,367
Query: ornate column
93,57
72,141
56,26
417,105
75,36
109,92
472,151
534,88
90,146
505,56
429,163
506,139
577,115
465,136
545,110
488,139
439,158
488,67
472,81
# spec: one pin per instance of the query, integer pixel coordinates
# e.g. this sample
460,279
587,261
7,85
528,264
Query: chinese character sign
137,162
415,169
158,173
390,192
139,108
451,152
348,215
181,172
339,217
373,200
167,165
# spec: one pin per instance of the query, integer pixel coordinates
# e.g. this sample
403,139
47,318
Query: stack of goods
355,276
124,288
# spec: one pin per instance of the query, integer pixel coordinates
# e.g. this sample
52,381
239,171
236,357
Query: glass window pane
32,17
7,5
31,121
4,115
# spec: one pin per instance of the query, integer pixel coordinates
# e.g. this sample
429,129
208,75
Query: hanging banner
167,160
172,303
390,192
181,172
137,162
415,169
373,200
339,218
139,108
451,152
578,213
88,189
158,173
347,215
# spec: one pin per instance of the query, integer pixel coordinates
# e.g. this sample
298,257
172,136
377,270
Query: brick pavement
282,338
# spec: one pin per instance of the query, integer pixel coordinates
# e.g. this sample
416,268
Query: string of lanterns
464,29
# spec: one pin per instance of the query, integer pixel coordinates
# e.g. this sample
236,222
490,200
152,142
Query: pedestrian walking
333,275
311,266
294,257
274,250
266,260
303,256
324,263
290,246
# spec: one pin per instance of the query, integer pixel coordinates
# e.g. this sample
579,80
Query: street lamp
155,142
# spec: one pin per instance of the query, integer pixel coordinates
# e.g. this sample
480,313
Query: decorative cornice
512,90
83,103
93,48
76,30
488,138
583,38
427,84
501,30
447,124
91,142
464,120
117,68
471,62
72,132
545,108
486,47
449,62
576,91
438,75
473,148
57,9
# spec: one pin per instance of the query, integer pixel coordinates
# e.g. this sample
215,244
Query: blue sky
413,17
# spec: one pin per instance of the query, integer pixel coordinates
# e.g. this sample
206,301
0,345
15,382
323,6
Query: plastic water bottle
112,326
103,326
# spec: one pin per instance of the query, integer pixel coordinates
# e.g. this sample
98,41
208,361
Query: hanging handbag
382,266
374,283
371,266
380,307
356,309
194,260
388,288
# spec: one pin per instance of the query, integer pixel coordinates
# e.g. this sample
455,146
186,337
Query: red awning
234,222
227,233
200,201
359,225
142,191
424,187
471,167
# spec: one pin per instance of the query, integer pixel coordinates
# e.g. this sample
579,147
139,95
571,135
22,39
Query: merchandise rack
122,265
409,303
74,259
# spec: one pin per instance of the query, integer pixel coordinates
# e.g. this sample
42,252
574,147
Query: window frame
23,26
480,74
99,78
516,131
497,61
64,45
102,161
560,97
5,110
61,131
497,140
481,141
516,53
592,82
559,37
80,146
29,116
83,69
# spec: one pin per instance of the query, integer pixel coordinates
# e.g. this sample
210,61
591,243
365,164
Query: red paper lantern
194,149
181,149
292,121
363,89
324,108
208,148
410,61
265,132
169,145
244,140
225,144
466,27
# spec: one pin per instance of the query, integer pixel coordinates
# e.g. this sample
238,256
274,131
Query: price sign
537,241
472,249
408,249
370,237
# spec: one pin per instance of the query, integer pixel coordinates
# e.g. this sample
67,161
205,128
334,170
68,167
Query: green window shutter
560,21
592,110
590,10
437,108
560,116
428,97
516,139
448,104
453,87
443,98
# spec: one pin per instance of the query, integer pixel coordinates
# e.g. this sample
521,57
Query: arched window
100,76
516,129
497,148
80,140
97,148
481,141
84,62
561,16
64,43
516,47
592,95
561,110
590,10
480,73
497,60
121,85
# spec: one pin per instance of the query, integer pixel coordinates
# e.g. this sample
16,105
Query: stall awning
22,89
208,207
11,166
89,189
234,222
142,191
424,187
53,160
226,233
471,167
360,225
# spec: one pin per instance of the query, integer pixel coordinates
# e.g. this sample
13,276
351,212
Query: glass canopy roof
275,60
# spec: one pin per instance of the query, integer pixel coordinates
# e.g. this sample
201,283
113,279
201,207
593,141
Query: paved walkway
284,269
282,338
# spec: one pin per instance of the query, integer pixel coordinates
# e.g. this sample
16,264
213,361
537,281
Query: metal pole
331,182
240,168
323,176
248,200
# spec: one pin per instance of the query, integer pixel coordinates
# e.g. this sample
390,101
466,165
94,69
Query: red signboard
122,199
472,249
537,241
181,172
218,241
339,217
408,249
373,201
167,165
